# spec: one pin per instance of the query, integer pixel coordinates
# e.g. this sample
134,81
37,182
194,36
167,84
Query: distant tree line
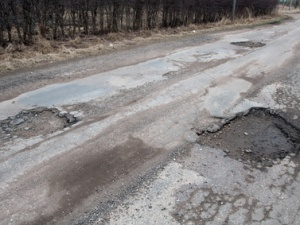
21,20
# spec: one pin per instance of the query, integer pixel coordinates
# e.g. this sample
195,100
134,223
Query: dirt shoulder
32,69
17,58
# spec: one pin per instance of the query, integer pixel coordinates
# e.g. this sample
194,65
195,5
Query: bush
20,20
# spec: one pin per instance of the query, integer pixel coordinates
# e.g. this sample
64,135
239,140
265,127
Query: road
157,134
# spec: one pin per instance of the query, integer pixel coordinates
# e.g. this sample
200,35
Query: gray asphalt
135,156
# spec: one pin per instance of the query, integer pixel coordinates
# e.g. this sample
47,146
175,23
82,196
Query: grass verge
16,57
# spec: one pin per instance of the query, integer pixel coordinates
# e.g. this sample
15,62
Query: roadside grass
285,10
18,56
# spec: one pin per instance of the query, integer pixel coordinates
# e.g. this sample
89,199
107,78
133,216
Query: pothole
261,138
34,122
249,44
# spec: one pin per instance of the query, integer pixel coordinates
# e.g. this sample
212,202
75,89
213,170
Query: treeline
21,20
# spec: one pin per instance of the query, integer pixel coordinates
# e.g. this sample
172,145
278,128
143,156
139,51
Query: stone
70,118
74,113
248,151
214,128
188,136
62,114
18,121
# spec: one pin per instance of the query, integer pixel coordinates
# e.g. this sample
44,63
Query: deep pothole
249,44
35,122
260,138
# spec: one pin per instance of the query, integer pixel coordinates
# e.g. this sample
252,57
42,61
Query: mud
94,175
261,138
248,44
38,121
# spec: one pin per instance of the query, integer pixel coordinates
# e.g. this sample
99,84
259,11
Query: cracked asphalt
135,155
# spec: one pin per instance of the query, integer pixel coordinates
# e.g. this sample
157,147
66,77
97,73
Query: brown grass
15,57
285,10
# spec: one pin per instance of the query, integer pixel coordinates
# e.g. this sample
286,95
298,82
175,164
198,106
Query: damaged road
201,130
257,138
34,122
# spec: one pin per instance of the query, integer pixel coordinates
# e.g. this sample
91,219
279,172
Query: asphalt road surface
201,129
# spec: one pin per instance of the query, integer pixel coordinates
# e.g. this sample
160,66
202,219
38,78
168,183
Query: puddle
35,122
249,44
261,138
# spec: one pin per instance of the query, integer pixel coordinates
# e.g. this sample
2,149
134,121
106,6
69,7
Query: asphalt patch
249,44
260,138
35,122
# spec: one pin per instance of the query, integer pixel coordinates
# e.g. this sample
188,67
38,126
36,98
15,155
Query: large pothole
35,122
249,44
260,138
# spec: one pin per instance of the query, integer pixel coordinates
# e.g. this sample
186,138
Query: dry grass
285,10
45,51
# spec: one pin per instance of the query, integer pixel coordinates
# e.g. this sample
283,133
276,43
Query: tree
67,18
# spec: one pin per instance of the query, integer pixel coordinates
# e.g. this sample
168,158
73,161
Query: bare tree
20,20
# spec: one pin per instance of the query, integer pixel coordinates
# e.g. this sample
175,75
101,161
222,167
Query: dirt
20,57
85,177
37,121
261,138
249,44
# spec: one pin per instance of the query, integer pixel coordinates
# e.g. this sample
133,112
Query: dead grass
44,51
285,10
